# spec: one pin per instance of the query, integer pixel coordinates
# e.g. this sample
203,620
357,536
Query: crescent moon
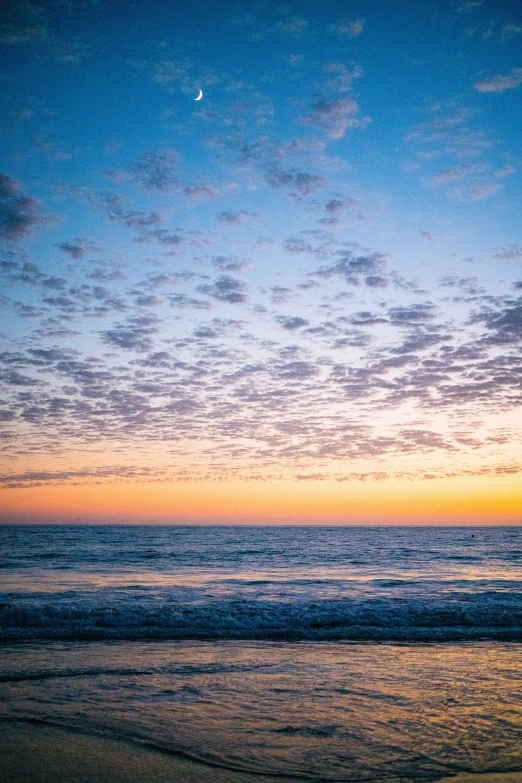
199,96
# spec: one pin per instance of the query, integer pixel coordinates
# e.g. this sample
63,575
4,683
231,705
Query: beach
354,656
50,755
245,711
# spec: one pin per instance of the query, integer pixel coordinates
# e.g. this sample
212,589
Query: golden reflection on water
50,580
351,711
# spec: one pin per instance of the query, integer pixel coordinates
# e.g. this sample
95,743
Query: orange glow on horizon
468,500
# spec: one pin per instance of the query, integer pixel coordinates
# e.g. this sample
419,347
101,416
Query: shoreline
48,754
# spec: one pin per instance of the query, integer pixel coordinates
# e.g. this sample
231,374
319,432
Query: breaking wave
486,616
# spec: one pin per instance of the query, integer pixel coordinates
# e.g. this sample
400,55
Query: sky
297,299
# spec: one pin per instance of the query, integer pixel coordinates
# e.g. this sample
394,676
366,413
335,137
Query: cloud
148,300
86,475
509,31
115,208
468,6
187,302
134,334
510,253
339,78
504,323
295,370
500,83
18,214
367,318
105,277
72,52
176,240
218,328
154,171
167,71
15,378
449,131
236,218
76,252
474,190
292,27
9,187
278,409
485,190
349,27
280,294
22,23
416,313
451,175
336,205
297,244
200,191
173,278
335,208
79,247
291,322
225,289
335,117
477,192
298,181
358,269
229,263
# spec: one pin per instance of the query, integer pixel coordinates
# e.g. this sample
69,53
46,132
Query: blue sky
312,273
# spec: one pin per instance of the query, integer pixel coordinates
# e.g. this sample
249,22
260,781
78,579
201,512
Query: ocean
314,653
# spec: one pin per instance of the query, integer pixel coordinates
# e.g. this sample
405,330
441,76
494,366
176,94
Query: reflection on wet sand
322,712
49,755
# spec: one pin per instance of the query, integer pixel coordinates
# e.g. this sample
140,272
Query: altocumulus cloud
18,214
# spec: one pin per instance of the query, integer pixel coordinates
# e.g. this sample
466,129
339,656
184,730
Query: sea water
320,653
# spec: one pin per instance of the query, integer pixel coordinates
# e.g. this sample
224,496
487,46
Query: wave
485,616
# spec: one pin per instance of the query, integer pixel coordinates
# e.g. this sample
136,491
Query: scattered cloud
154,171
72,52
225,289
349,27
241,216
18,214
115,208
468,6
337,365
291,322
500,83
335,117
416,313
22,23
485,190
229,263
133,334
510,253
357,270
292,26
451,175
300,182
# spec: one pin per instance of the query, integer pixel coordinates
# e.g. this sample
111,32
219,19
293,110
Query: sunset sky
298,299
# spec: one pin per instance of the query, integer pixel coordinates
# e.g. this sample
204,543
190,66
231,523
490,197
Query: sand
38,754
30,754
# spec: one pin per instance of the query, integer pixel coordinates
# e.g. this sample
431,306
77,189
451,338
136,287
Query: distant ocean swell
467,617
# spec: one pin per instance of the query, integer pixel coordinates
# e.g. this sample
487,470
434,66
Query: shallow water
307,583
319,711
237,645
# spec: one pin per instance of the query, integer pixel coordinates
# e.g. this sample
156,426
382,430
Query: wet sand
39,754
35,754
